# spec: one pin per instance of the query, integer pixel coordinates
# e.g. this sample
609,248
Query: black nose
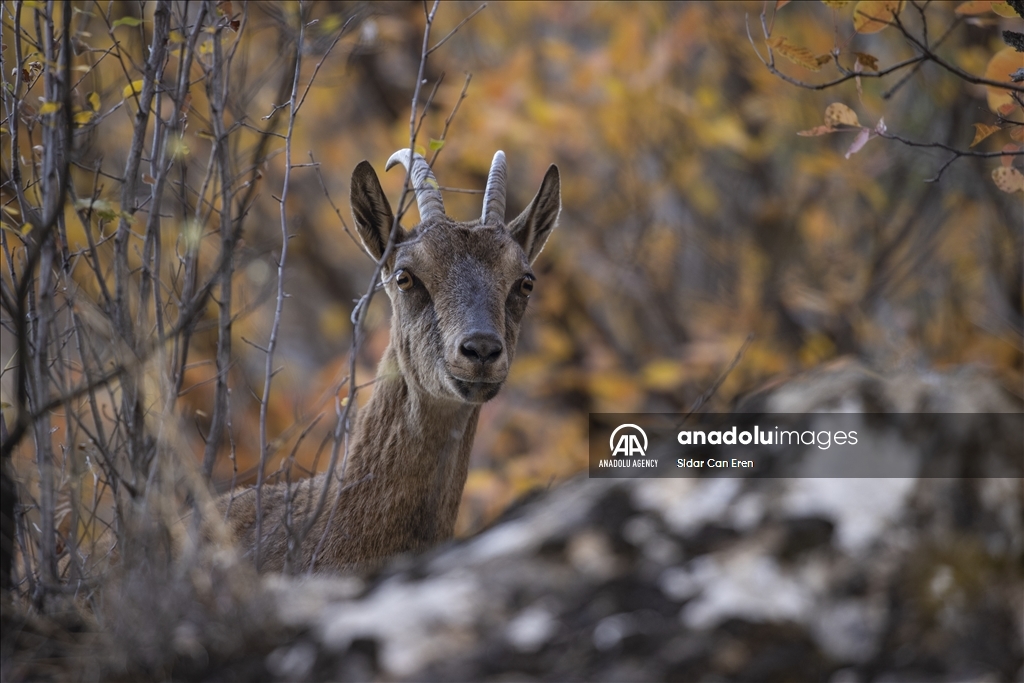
481,347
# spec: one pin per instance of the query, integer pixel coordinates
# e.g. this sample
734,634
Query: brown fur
409,451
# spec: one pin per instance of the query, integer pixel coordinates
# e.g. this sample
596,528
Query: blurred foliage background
693,215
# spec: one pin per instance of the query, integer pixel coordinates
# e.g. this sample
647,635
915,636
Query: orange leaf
999,68
871,16
796,54
974,7
1008,179
838,114
982,131
779,4
1017,133
1007,159
818,130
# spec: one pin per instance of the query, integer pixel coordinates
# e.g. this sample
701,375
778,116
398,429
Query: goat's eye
526,285
404,280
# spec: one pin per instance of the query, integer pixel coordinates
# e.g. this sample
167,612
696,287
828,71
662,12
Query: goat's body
400,487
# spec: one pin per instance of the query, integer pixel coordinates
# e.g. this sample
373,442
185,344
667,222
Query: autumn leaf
796,54
858,143
1008,179
869,62
779,4
132,88
1007,157
436,145
1002,64
871,16
974,7
1017,133
1003,9
982,131
836,4
83,117
838,114
816,131
94,101
49,108
127,21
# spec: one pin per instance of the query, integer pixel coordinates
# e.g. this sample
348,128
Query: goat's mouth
475,391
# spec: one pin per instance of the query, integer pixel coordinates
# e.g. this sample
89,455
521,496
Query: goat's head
458,289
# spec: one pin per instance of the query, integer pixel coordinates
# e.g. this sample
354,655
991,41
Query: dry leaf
858,143
1008,179
974,7
148,179
838,114
999,68
1017,133
982,131
869,62
1003,9
819,130
1007,159
871,16
796,54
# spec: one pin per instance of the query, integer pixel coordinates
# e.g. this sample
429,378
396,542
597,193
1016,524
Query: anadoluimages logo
628,444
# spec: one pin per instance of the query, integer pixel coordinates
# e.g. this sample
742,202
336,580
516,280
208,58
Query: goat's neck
410,450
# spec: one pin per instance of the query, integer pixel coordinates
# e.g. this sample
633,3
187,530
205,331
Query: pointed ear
370,210
533,226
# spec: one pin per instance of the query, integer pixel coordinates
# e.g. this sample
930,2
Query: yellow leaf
1008,179
177,148
982,131
128,21
205,135
83,117
663,375
26,228
796,54
49,108
974,7
436,145
94,101
206,48
999,68
1003,9
838,114
836,4
176,37
871,16
132,88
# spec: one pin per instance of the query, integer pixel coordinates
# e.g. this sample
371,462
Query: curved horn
428,196
494,195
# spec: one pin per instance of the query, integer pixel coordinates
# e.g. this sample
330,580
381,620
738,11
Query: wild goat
458,292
